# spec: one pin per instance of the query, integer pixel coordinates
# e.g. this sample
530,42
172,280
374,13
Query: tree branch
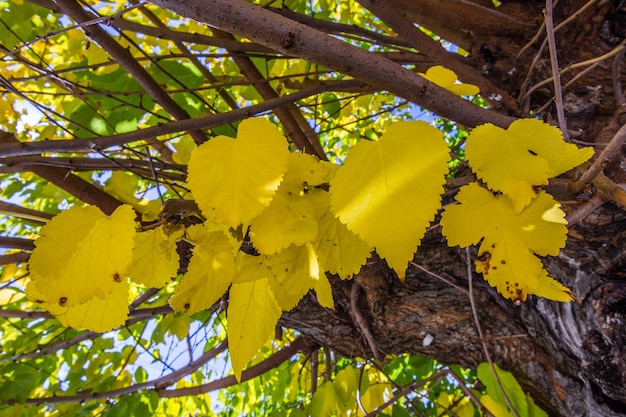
206,122
126,60
293,38
298,345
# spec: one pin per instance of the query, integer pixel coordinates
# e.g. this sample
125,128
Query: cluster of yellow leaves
522,222
305,217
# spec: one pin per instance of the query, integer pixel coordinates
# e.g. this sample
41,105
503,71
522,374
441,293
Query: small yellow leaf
184,147
447,79
252,316
155,260
250,268
388,191
288,220
506,256
339,250
295,272
525,155
233,180
97,314
82,254
209,274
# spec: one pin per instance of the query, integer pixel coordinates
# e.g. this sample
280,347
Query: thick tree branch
393,17
293,38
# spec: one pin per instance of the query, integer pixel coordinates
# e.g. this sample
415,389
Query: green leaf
510,385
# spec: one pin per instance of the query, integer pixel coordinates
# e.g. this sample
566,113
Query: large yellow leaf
388,191
250,268
82,254
525,155
510,241
233,180
155,260
209,274
96,314
252,316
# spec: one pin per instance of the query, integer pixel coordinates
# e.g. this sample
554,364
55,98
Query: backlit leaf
252,316
155,260
447,79
233,180
508,383
82,254
295,272
96,314
209,274
525,155
388,191
506,256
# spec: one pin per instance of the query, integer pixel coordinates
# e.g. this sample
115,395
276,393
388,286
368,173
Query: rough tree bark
568,356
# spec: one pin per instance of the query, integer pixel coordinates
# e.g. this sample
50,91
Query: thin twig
439,277
585,210
360,320
554,62
612,149
479,329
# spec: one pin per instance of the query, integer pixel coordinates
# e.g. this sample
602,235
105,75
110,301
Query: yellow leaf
288,220
209,274
447,79
96,314
82,254
10,295
250,268
506,257
184,147
388,191
252,316
494,408
295,272
179,326
525,155
233,180
123,186
339,251
155,260
378,391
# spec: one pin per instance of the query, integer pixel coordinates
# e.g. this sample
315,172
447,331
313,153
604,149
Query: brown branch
206,122
67,181
14,258
297,128
361,322
585,210
293,38
556,72
35,216
16,243
126,60
392,16
299,345
612,149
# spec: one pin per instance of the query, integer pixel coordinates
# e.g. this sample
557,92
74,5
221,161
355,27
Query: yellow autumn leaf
339,251
96,314
250,268
209,274
123,186
388,191
82,254
155,260
295,271
184,147
233,180
288,220
510,241
521,157
252,316
447,79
